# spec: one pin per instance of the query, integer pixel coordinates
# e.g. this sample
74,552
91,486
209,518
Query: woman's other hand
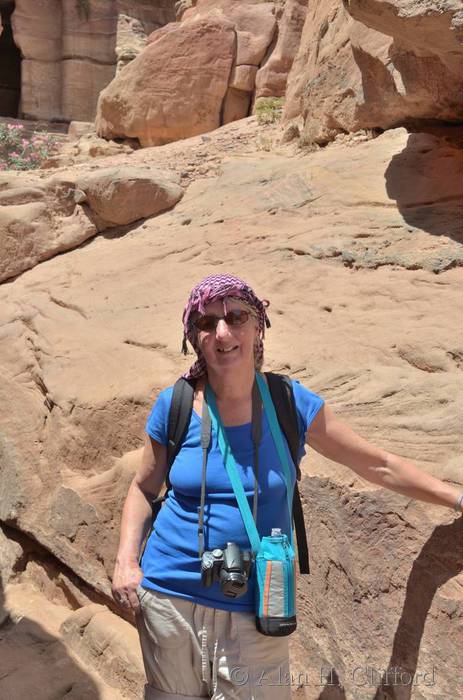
127,576
136,520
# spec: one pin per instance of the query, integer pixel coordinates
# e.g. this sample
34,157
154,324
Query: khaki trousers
190,651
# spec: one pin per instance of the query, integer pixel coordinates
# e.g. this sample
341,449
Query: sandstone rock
194,60
384,66
200,76
255,25
69,50
131,40
30,234
40,218
10,554
120,196
236,105
243,78
77,129
107,643
361,313
272,76
32,640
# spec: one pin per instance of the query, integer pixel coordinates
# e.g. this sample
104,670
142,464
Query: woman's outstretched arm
334,439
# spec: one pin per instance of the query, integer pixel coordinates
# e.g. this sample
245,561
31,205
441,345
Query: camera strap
230,463
212,417
205,442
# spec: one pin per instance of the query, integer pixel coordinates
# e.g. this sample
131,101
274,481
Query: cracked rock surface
358,248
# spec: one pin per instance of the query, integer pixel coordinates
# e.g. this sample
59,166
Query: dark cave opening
10,64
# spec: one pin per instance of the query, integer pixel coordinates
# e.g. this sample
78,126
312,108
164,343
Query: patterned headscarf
210,289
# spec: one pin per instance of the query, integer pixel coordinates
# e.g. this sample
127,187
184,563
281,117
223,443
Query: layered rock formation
376,65
70,49
194,76
368,270
357,245
351,65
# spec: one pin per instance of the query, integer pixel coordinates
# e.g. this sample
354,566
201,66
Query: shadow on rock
35,664
333,690
440,559
426,181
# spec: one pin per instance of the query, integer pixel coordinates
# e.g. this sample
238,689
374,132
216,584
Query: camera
229,566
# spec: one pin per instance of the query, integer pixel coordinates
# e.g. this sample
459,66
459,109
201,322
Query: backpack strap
180,411
281,391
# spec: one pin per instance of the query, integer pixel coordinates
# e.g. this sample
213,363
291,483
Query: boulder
254,22
175,88
209,60
122,195
42,217
243,78
375,65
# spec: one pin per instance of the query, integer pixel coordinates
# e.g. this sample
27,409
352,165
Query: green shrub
18,152
268,110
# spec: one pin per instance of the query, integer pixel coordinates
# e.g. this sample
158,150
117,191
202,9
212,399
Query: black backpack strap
281,391
180,410
179,419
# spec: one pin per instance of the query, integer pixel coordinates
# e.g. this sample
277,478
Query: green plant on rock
268,110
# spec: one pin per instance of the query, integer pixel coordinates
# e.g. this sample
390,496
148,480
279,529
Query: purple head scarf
210,289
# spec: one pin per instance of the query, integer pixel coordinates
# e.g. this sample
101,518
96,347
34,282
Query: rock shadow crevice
425,180
440,560
10,63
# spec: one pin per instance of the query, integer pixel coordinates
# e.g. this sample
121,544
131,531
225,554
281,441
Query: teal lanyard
230,463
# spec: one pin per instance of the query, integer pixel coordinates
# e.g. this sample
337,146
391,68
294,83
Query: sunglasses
208,322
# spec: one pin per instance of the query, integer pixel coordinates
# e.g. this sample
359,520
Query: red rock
375,64
272,77
175,88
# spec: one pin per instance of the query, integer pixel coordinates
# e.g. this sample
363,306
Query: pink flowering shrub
18,152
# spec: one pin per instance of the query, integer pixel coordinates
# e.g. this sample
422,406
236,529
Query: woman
196,641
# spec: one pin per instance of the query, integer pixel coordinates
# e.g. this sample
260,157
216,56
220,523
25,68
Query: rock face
40,217
364,276
272,77
70,49
377,64
194,60
209,60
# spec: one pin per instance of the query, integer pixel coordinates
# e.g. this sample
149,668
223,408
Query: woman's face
228,347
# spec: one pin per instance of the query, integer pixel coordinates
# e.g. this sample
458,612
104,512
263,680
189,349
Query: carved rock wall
70,49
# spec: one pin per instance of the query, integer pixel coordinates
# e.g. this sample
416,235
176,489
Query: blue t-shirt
170,562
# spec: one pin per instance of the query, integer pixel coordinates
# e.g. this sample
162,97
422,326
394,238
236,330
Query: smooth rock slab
123,195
